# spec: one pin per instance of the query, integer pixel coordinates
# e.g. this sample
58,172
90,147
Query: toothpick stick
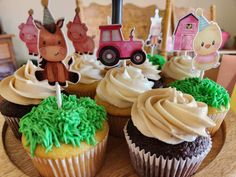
124,63
108,20
58,95
202,74
152,50
185,53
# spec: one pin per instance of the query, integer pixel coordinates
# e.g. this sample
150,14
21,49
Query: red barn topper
185,33
77,33
29,34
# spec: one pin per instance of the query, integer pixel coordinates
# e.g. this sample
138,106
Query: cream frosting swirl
170,116
121,86
149,71
89,68
23,88
179,68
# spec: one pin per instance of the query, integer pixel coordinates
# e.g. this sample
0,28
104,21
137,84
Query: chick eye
44,42
213,42
59,42
202,44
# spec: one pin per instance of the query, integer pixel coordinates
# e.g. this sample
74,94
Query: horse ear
38,24
69,25
21,26
60,22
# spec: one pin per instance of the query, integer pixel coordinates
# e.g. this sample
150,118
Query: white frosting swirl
149,71
179,68
23,88
89,68
121,86
170,116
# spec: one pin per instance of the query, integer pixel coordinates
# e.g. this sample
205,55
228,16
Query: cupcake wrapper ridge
147,165
13,123
86,164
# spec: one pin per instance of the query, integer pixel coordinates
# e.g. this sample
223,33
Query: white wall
13,12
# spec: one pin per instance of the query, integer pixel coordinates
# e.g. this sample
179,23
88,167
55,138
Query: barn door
187,42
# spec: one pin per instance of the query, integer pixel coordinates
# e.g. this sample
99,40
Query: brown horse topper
53,50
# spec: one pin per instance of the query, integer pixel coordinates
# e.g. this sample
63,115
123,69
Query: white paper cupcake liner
86,164
218,119
13,123
147,165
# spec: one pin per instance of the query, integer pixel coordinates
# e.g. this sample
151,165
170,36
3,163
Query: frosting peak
179,68
23,88
121,86
90,69
170,116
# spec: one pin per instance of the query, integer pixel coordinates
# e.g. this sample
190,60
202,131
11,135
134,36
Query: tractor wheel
138,57
109,56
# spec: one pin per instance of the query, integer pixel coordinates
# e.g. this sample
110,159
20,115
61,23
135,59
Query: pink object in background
185,32
227,72
112,46
29,34
225,38
77,33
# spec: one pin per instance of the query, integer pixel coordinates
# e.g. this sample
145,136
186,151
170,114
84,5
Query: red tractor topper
112,47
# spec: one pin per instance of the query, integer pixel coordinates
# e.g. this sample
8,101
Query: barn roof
190,14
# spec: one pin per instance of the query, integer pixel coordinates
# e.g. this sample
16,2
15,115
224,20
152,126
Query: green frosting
157,60
204,90
76,121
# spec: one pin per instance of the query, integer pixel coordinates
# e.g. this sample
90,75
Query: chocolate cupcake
21,92
167,134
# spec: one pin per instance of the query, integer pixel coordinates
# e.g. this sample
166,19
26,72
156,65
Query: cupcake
70,141
167,134
179,68
151,72
91,72
209,92
21,92
117,92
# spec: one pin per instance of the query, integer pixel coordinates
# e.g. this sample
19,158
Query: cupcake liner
117,124
218,119
86,164
13,123
147,165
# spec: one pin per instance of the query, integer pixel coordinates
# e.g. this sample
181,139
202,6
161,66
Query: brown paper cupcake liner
147,165
86,94
218,119
13,123
117,124
86,164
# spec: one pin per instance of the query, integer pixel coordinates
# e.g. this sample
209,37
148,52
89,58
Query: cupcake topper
53,50
113,47
154,37
206,44
77,33
29,34
185,32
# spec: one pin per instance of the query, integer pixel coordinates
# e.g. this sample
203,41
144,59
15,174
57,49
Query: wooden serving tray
220,162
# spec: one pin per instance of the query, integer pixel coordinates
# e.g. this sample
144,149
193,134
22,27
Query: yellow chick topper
206,43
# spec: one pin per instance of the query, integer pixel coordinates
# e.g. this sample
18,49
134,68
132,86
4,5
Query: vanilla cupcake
21,92
91,72
167,133
179,68
117,93
70,141
151,72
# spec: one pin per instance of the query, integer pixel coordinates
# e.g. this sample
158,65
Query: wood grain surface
219,163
